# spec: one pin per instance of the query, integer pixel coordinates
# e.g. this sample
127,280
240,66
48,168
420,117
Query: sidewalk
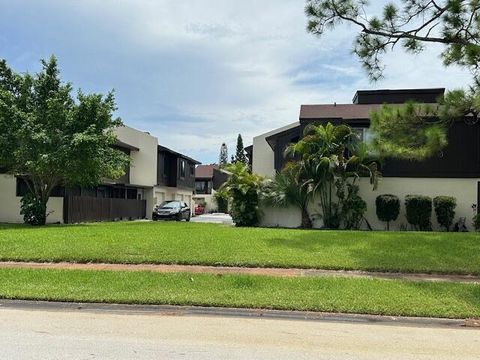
223,270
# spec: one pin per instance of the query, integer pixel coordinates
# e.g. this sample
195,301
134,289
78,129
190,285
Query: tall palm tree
328,153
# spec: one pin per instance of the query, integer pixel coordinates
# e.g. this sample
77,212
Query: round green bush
419,211
387,208
445,210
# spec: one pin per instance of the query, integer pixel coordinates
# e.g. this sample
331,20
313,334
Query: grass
349,295
210,244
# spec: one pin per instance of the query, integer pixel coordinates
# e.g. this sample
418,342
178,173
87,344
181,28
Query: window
131,194
192,170
183,169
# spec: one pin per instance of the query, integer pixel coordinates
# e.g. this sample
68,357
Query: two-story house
133,196
208,179
455,171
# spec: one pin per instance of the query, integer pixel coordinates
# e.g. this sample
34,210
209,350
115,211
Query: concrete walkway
198,269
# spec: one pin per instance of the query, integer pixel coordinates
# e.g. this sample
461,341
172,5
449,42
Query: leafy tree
240,153
223,157
331,157
245,191
290,187
51,139
412,24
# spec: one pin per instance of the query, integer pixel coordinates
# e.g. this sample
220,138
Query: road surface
69,334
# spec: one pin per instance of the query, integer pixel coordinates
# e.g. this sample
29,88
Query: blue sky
195,73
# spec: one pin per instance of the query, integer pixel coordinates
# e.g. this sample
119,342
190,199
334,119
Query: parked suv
172,210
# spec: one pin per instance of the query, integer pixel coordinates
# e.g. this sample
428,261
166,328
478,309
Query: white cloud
196,73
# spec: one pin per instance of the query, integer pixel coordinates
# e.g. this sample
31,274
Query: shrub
387,208
419,211
244,190
476,222
221,197
352,206
445,210
34,210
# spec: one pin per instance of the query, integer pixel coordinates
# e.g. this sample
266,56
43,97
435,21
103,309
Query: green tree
245,191
240,153
223,157
411,25
331,159
51,139
290,187
410,132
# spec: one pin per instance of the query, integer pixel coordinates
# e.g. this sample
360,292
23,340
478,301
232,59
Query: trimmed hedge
445,210
387,208
419,211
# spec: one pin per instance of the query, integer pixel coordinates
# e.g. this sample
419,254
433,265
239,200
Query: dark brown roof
165,149
338,111
205,171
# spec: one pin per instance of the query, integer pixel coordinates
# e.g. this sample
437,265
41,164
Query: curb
173,310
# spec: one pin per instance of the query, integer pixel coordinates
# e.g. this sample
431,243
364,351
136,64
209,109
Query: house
455,171
133,196
175,176
208,179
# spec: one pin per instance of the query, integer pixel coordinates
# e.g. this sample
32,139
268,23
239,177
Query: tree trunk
306,221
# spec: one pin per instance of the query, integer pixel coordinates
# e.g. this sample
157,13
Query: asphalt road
68,334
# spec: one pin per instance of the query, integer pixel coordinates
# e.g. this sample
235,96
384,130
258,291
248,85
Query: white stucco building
146,182
453,172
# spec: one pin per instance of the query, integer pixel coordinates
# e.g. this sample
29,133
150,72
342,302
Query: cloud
196,73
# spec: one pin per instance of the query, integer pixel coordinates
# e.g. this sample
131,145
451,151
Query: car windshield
170,205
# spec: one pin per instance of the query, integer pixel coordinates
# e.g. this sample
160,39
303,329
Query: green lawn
190,243
386,297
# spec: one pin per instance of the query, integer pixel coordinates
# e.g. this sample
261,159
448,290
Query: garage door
179,197
160,197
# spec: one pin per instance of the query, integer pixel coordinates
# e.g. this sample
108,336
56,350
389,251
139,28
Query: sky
196,73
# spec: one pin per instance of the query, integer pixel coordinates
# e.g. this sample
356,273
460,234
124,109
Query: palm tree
290,188
328,156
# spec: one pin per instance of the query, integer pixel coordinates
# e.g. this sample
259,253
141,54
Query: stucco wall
10,203
464,190
263,156
143,169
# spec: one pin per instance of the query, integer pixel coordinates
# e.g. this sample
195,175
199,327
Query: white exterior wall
10,203
143,169
464,190
263,156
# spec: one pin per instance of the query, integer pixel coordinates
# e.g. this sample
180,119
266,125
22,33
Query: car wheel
188,218
179,217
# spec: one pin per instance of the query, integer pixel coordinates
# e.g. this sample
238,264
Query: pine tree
223,158
240,155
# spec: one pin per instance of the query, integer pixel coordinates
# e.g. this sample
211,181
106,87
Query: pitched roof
165,149
205,171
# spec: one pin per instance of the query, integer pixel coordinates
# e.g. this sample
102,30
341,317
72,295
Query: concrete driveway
215,218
